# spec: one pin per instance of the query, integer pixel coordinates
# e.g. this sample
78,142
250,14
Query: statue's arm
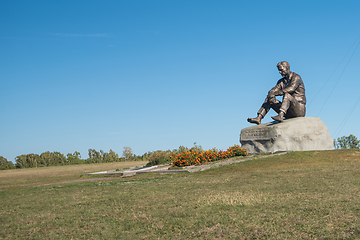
276,91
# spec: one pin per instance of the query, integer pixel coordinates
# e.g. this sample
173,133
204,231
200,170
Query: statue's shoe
278,118
254,120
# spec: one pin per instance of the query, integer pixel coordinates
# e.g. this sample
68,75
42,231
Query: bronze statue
292,88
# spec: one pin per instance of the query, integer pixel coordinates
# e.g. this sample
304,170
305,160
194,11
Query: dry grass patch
235,198
58,173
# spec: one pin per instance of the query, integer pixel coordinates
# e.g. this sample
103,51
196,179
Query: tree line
46,159
346,142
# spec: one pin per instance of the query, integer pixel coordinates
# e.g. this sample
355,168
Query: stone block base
295,134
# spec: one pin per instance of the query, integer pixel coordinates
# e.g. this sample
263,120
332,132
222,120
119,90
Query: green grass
300,195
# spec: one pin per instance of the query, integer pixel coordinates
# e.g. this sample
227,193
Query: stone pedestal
295,134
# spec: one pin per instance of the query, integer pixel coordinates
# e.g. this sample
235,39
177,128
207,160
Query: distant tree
94,156
33,159
128,154
181,149
51,159
45,159
97,157
111,157
158,157
143,157
101,155
74,158
5,164
28,161
114,156
196,148
347,142
21,161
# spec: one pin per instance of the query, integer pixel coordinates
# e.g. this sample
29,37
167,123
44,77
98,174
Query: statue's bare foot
278,118
254,120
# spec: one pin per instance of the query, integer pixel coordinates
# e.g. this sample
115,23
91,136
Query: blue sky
159,74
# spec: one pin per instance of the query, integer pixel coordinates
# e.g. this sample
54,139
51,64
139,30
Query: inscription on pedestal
257,134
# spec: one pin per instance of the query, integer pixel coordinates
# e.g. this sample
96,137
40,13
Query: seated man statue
292,88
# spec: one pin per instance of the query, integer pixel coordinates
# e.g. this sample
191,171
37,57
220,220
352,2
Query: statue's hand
272,93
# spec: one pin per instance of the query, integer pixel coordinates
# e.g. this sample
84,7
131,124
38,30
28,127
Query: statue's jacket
294,86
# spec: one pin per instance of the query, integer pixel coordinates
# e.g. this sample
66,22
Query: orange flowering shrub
189,158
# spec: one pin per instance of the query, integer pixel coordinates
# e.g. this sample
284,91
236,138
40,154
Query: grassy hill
299,195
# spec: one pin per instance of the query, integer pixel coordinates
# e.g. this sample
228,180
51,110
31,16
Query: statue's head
284,68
